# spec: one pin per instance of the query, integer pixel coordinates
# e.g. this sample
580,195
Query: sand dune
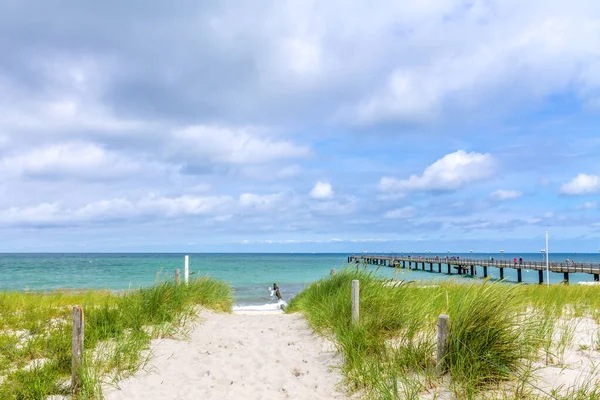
243,355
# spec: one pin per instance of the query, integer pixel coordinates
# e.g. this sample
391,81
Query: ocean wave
279,306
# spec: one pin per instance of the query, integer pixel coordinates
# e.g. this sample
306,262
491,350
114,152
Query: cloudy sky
299,125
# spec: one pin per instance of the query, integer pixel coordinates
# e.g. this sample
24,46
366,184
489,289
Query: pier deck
469,265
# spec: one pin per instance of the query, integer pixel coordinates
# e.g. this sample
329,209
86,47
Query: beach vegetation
499,334
36,333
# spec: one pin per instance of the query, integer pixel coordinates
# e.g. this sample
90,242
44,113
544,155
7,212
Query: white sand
249,355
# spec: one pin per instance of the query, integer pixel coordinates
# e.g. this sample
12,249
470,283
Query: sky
299,126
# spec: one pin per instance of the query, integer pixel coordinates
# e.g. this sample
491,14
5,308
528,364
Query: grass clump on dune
35,333
496,332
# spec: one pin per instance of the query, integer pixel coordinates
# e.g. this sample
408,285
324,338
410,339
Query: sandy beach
244,355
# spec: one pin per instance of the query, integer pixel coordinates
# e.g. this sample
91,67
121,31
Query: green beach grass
35,333
499,333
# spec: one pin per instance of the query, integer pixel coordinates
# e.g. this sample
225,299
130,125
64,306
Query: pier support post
439,268
472,270
403,264
596,277
177,276
484,271
519,277
501,273
566,278
442,341
332,272
449,269
355,301
541,276
423,265
430,267
77,349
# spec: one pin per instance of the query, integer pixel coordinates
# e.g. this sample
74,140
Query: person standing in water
276,289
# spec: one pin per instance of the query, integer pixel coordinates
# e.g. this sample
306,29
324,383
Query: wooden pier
470,265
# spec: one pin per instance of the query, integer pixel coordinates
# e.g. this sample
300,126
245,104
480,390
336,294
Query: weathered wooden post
77,349
501,273
541,276
442,341
519,275
177,276
596,277
186,269
332,272
566,277
485,271
355,301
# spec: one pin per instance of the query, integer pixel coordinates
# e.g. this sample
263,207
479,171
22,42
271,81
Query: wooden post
485,271
566,277
442,341
472,270
501,273
519,277
332,272
449,269
186,269
596,277
355,301
77,349
541,275
177,276
439,268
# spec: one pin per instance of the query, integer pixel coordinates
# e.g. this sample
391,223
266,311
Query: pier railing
471,263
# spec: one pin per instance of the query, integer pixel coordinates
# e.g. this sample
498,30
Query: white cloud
501,195
451,172
331,208
472,61
77,159
321,190
265,202
233,146
589,205
581,184
154,207
401,213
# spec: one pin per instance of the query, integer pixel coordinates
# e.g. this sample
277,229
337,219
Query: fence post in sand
77,349
332,272
186,269
442,341
177,276
355,290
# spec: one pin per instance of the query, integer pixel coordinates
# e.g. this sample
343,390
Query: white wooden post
186,269
355,300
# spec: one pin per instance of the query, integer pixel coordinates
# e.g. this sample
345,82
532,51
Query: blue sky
300,126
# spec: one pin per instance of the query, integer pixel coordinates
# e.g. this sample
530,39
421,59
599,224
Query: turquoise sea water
250,275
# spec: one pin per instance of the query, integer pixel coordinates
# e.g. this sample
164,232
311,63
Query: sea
251,276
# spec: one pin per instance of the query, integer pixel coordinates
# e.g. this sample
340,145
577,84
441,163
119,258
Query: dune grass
497,332
35,333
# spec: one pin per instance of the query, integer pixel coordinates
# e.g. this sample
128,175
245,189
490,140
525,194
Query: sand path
238,356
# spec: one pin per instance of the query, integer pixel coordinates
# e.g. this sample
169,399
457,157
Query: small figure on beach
520,260
276,289
515,260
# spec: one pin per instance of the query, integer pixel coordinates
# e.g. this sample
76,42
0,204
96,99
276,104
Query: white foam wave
274,307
